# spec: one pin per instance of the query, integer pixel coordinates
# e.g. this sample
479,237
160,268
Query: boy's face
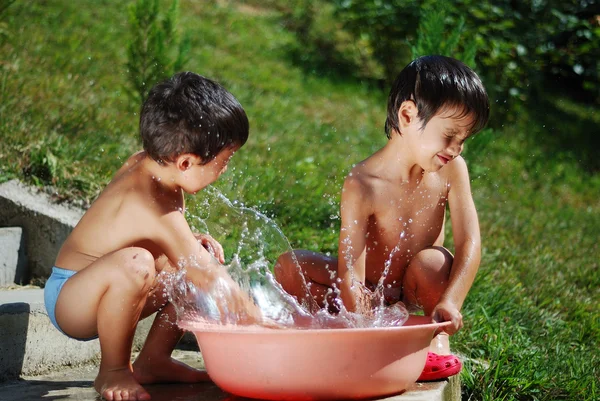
219,164
198,176
442,139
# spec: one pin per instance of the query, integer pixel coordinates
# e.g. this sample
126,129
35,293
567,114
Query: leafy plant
324,44
521,48
43,166
155,50
441,35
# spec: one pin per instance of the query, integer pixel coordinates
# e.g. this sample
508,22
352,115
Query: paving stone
77,384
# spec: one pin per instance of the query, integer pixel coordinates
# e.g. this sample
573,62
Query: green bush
432,38
155,50
521,47
326,46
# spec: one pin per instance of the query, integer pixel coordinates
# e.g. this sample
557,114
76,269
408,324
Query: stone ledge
31,345
45,224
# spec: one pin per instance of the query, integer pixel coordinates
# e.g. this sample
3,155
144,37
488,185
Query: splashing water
257,242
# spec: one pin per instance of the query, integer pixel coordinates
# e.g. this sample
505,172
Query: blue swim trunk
55,282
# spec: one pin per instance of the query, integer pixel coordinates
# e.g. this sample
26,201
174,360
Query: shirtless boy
397,198
104,279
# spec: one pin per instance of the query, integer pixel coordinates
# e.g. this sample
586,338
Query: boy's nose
455,149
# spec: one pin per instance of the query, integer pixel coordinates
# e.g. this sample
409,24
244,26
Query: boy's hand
221,298
212,246
447,311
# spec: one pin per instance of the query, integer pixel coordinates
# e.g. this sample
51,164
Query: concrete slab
12,256
77,384
45,224
31,345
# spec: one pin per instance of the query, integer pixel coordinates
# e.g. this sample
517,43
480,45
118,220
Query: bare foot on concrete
167,370
119,384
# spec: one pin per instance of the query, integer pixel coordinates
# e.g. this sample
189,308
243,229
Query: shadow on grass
571,134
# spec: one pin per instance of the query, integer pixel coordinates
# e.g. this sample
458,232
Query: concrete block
12,256
31,345
45,224
441,390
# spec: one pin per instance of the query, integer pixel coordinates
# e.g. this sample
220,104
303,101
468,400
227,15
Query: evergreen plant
436,35
156,49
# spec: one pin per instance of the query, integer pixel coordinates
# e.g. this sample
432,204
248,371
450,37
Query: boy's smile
442,139
437,143
444,159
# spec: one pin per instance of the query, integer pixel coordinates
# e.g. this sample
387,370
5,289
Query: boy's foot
440,344
119,385
439,367
167,370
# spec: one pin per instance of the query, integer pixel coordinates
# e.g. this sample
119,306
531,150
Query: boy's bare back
128,213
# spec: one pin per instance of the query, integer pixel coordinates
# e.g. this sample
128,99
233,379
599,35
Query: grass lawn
532,319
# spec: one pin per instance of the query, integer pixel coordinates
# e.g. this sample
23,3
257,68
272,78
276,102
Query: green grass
532,318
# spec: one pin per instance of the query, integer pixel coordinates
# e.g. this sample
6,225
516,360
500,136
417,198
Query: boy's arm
211,245
185,251
352,241
180,245
467,241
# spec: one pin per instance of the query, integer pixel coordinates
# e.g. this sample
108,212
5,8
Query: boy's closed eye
451,134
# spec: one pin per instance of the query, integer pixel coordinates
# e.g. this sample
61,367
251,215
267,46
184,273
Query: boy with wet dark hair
199,116
103,282
393,209
434,82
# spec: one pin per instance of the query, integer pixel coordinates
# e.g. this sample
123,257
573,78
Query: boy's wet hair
435,83
189,113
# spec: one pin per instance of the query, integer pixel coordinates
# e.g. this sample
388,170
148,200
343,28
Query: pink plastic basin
323,364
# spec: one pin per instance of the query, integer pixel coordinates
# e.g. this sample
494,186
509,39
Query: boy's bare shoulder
360,180
456,170
134,197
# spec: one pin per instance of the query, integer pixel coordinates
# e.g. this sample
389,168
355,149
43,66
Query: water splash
256,242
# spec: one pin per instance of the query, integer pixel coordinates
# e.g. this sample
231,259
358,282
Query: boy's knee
282,265
432,261
427,277
139,267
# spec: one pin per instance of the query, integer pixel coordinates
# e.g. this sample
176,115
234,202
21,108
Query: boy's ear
407,113
186,161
